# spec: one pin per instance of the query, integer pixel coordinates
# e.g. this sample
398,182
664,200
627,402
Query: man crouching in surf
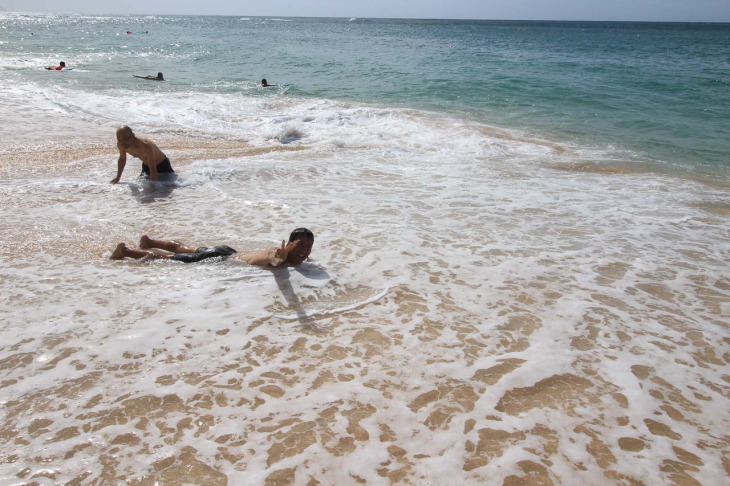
154,162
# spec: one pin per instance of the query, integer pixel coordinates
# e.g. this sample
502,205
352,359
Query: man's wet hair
299,232
124,129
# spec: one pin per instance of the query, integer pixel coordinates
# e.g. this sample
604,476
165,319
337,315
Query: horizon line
374,18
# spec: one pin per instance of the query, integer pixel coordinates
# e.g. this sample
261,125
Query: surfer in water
60,67
294,252
154,162
159,77
264,84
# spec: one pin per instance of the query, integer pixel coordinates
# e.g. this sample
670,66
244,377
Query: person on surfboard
60,67
159,77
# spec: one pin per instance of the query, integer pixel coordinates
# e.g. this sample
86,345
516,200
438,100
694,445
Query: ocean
521,268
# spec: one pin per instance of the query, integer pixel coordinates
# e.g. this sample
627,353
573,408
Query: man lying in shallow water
293,253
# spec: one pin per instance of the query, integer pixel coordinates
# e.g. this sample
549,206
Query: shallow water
491,319
483,305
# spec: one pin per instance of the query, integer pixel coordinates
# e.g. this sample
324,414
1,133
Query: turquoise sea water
654,92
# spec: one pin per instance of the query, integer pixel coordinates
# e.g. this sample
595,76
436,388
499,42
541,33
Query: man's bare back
154,161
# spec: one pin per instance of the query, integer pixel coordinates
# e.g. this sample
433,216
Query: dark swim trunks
163,167
203,253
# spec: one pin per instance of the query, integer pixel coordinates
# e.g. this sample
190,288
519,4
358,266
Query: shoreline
181,150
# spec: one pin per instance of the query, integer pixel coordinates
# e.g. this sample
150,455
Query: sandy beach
294,373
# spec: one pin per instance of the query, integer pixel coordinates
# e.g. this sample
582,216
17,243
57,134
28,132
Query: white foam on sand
470,312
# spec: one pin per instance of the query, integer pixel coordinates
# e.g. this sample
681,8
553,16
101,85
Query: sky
629,10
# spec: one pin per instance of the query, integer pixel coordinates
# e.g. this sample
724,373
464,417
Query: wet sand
441,381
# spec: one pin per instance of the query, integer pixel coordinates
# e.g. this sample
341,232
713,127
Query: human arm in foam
273,257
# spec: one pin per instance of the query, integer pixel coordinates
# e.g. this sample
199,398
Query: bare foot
118,253
144,242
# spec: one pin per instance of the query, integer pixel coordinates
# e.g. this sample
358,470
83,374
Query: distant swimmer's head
125,136
264,83
159,76
62,64
304,247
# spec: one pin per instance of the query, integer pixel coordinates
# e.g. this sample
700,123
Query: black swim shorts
163,167
204,253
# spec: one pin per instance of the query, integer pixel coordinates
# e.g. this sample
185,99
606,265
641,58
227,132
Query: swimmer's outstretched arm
273,257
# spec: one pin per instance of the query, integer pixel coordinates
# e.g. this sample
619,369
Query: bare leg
168,245
121,252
